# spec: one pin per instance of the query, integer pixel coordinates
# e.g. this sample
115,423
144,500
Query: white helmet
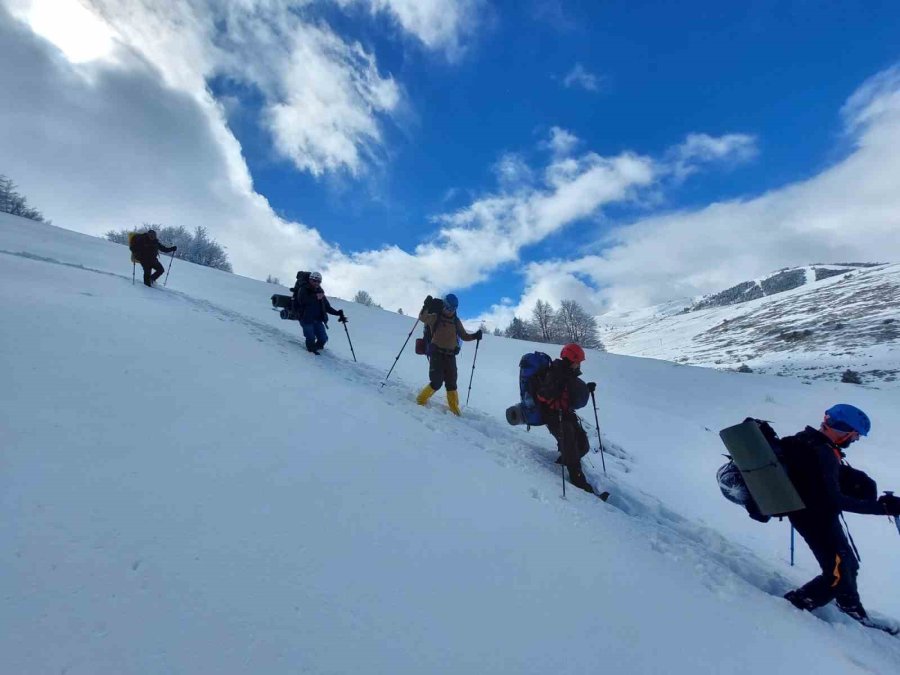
315,276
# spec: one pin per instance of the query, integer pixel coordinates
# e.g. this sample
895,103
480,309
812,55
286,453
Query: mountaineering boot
425,394
798,600
453,402
855,611
577,478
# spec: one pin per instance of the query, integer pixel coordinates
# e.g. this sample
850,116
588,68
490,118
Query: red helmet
572,352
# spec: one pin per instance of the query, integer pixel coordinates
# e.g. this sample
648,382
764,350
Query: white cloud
697,149
162,153
562,142
849,212
580,77
78,33
512,171
323,110
438,24
325,101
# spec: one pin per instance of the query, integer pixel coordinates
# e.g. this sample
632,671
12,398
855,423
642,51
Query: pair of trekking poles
471,376
165,281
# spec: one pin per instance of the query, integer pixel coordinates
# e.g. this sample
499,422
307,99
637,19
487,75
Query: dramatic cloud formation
109,136
849,212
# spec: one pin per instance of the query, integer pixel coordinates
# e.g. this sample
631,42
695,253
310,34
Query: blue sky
718,104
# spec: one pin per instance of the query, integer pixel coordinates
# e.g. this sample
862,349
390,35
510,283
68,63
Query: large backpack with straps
769,476
532,367
288,305
423,344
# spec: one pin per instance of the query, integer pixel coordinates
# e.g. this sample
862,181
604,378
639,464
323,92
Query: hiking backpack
731,480
532,367
423,344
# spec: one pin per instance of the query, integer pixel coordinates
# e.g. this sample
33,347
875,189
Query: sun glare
73,28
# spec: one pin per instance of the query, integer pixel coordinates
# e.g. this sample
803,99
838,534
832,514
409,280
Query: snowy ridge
186,490
817,330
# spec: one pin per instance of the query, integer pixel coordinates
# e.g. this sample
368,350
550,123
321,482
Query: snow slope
815,331
186,490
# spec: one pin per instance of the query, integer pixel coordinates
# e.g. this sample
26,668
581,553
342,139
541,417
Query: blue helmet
451,301
846,417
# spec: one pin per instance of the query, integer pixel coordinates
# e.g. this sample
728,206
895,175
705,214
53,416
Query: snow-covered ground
814,332
185,490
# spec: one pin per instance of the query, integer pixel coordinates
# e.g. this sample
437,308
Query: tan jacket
444,330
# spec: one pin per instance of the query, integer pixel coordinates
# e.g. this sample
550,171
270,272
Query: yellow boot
453,402
424,395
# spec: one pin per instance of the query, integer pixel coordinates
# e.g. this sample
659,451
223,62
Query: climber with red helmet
559,393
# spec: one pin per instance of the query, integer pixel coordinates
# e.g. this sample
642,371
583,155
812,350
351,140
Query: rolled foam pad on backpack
514,415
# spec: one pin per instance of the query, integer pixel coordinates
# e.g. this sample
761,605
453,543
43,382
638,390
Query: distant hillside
814,322
779,282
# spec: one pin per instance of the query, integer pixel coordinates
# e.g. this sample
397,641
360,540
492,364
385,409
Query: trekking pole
792,545
349,340
401,351
562,441
477,342
599,440
133,266
166,280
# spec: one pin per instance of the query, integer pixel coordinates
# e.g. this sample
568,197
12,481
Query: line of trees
570,323
196,247
16,204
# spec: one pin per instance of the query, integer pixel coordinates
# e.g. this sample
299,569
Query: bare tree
574,324
363,298
542,318
273,280
15,204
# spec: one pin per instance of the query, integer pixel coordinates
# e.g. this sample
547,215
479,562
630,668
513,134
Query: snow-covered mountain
185,490
814,322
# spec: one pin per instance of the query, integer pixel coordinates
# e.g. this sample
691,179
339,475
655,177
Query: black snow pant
442,370
826,539
152,266
571,441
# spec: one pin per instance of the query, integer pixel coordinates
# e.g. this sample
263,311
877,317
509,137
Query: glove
341,317
174,248
890,504
478,334
427,304
591,386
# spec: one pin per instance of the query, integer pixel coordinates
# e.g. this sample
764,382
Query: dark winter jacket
445,328
146,250
813,463
310,307
560,389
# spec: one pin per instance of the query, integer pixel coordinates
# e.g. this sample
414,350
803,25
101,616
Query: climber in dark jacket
145,249
559,393
313,309
812,459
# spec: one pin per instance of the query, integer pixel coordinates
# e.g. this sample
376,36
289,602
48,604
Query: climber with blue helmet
443,332
813,460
